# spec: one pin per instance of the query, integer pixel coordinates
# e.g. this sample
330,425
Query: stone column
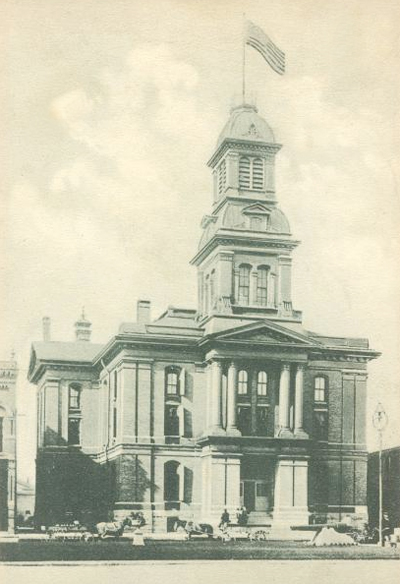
253,287
284,405
216,389
231,425
299,403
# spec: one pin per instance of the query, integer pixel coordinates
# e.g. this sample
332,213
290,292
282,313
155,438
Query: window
256,223
244,284
171,481
171,423
244,172
251,173
262,413
258,174
172,381
262,383
321,425
242,382
262,286
221,177
74,397
74,431
244,420
319,389
115,385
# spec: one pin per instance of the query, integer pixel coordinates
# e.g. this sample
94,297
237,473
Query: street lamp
380,421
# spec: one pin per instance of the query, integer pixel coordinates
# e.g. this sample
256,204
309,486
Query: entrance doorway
254,495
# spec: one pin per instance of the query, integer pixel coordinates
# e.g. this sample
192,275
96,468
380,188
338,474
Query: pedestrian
225,519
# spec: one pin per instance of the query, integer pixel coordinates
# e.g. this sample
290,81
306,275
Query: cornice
243,239
243,145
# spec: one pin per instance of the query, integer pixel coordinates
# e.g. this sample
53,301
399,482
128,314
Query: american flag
256,38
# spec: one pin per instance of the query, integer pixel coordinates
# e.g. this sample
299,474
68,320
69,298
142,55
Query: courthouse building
235,403
8,380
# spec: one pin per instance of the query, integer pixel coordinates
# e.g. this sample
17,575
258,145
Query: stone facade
232,404
8,380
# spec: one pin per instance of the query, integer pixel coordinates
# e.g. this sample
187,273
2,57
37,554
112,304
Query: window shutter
182,382
181,417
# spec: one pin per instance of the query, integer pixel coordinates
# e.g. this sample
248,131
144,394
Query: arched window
262,383
172,381
74,397
319,389
242,382
244,172
262,286
251,173
258,174
221,177
244,284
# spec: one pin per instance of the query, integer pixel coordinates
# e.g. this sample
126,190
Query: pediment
256,209
265,332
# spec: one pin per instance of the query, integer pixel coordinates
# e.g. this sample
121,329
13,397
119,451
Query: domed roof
245,124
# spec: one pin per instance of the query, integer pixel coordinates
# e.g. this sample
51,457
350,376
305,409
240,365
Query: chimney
46,329
83,328
143,311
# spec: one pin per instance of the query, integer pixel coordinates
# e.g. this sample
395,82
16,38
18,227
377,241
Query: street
254,572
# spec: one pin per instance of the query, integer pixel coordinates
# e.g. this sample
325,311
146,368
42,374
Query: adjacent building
390,487
8,380
233,403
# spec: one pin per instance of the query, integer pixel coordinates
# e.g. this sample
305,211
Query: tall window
244,172
319,389
244,284
242,382
262,286
262,413
74,419
115,385
262,383
251,173
321,425
221,177
244,420
74,431
172,382
74,397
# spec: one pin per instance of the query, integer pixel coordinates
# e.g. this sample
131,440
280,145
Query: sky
110,110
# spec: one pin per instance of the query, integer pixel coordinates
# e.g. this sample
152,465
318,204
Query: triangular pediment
256,209
264,332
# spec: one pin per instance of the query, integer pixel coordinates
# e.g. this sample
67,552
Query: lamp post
380,421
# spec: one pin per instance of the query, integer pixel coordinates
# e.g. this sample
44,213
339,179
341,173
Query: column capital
285,367
301,366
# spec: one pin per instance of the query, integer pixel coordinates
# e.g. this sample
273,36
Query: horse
112,528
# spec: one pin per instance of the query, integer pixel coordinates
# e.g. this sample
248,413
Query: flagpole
244,59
